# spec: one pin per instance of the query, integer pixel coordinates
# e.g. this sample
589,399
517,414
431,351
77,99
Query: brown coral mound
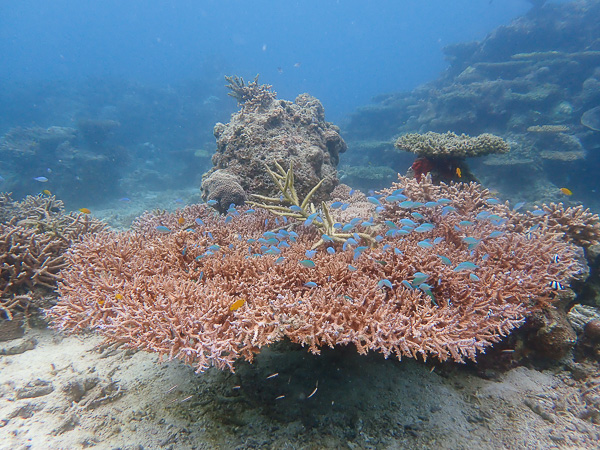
267,130
218,288
33,242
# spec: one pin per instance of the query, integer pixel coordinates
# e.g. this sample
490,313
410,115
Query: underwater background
114,119
114,100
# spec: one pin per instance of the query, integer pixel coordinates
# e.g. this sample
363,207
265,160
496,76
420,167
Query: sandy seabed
69,392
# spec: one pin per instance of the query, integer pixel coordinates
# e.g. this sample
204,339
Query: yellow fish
181,220
458,172
566,191
119,296
85,210
46,192
237,304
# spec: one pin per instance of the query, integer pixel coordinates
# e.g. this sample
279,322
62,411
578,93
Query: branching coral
252,95
449,276
304,209
32,244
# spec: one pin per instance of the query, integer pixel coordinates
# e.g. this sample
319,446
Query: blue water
155,70
342,52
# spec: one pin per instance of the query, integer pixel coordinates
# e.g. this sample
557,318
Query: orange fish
85,210
458,172
237,304
566,191
46,192
119,296
181,220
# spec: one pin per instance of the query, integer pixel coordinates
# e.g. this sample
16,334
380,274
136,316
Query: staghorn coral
178,293
578,224
32,245
251,96
451,145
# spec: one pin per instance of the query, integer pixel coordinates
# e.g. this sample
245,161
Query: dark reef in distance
529,82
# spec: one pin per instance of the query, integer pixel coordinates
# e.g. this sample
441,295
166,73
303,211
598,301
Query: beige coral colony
280,251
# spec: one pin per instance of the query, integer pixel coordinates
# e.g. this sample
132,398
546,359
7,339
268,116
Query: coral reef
450,145
448,274
534,82
32,245
443,155
267,130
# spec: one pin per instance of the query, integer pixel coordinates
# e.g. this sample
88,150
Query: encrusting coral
447,276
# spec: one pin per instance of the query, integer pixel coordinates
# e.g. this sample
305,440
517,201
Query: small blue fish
395,198
310,284
407,284
465,223
250,211
279,260
518,206
366,224
345,206
355,221
162,229
351,268
269,234
408,222
419,277
390,224
336,205
425,244
351,241
200,222
295,208
347,227
483,215
471,240
495,234
212,202
352,191
41,179
493,201
228,219
331,250
444,201
307,263
417,215
398,251
431,204
284,244
424,287
384,283
378,238
374,201
538,213
124,199
424,228
437,240
214,247
445,260
407,204
467,265
473,277
447,209
310,253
